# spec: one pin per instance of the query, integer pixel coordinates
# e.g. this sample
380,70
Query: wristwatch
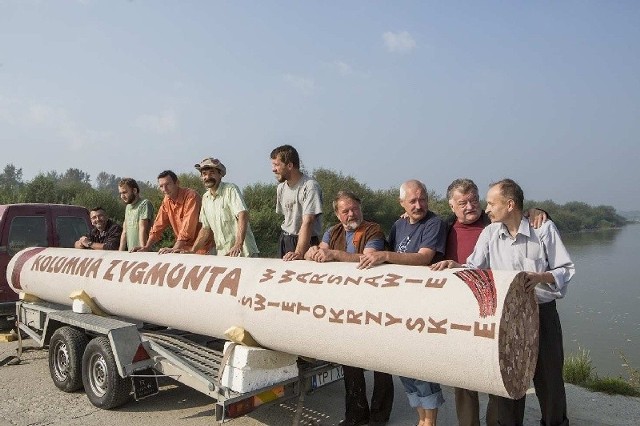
89,244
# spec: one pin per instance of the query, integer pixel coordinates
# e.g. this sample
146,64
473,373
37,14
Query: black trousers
288,242
356,405
467,407
547,379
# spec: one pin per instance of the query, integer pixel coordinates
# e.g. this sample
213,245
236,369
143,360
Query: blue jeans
422,394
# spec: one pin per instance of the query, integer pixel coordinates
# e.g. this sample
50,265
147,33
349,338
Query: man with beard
224,214
299,199
417,239
105,234
179,209
137,215
345,242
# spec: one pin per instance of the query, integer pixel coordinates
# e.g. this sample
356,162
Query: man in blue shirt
346,242
417,239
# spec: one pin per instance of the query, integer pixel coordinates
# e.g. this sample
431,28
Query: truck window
27,231
70,229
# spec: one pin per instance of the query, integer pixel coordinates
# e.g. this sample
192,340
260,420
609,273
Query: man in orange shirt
180,208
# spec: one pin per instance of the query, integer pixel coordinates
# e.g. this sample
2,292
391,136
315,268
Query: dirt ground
30,398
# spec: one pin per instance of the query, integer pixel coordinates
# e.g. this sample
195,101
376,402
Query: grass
579,371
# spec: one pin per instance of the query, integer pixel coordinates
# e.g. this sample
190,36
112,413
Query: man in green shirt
224,214
137,216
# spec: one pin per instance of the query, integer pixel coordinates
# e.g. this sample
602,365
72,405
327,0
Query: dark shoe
349,422
377,423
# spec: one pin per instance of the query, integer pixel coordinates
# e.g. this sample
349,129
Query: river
601,311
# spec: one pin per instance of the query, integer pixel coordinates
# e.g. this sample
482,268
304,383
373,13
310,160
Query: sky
546,92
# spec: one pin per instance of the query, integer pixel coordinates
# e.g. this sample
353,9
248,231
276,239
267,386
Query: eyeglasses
473,201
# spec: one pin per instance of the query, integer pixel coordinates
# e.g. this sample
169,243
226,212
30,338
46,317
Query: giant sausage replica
473,329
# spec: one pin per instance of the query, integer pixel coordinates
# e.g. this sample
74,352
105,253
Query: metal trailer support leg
299,406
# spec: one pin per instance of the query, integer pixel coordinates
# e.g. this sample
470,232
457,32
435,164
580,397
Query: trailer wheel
102,383
65,358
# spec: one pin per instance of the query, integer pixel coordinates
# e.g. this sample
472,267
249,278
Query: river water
601,311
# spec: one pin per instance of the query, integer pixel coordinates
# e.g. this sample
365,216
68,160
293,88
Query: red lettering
392,280
437,326
335,315
268,274
215,271
108,275
417,323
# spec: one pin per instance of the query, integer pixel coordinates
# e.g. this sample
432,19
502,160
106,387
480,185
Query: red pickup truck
30,225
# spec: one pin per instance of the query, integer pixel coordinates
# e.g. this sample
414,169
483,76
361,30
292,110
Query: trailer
118,359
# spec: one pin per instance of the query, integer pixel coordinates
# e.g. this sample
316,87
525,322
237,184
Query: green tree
93,198
265,222
41,189
108,182
10,184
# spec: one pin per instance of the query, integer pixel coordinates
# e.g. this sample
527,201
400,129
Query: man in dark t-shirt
417,239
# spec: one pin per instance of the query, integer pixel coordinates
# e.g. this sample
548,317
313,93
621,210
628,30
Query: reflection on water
581,239
600,312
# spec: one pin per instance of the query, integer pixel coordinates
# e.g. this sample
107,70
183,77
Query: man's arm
241,232
561,267
204,236
83,242
423,257
123,239
322,253
143,230
303,238
536,217
144,225
159,225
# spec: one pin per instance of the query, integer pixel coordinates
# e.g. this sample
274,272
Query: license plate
145,383
326,377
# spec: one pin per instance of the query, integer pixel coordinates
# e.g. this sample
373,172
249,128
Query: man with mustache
463,229
345,242
105,234
224,214
299,199
510,242
138,215
417,239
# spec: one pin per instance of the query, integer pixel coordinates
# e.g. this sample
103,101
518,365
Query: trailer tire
65,358
102,382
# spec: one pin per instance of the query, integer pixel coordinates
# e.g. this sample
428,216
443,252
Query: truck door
69,224
23,226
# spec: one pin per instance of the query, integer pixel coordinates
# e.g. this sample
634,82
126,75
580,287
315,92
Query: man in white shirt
511,243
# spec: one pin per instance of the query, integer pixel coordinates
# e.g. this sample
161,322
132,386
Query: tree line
381,206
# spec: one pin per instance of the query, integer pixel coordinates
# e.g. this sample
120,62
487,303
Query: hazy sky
547,93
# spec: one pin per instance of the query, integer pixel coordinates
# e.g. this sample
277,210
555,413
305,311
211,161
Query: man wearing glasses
463,229
512,243
417,239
